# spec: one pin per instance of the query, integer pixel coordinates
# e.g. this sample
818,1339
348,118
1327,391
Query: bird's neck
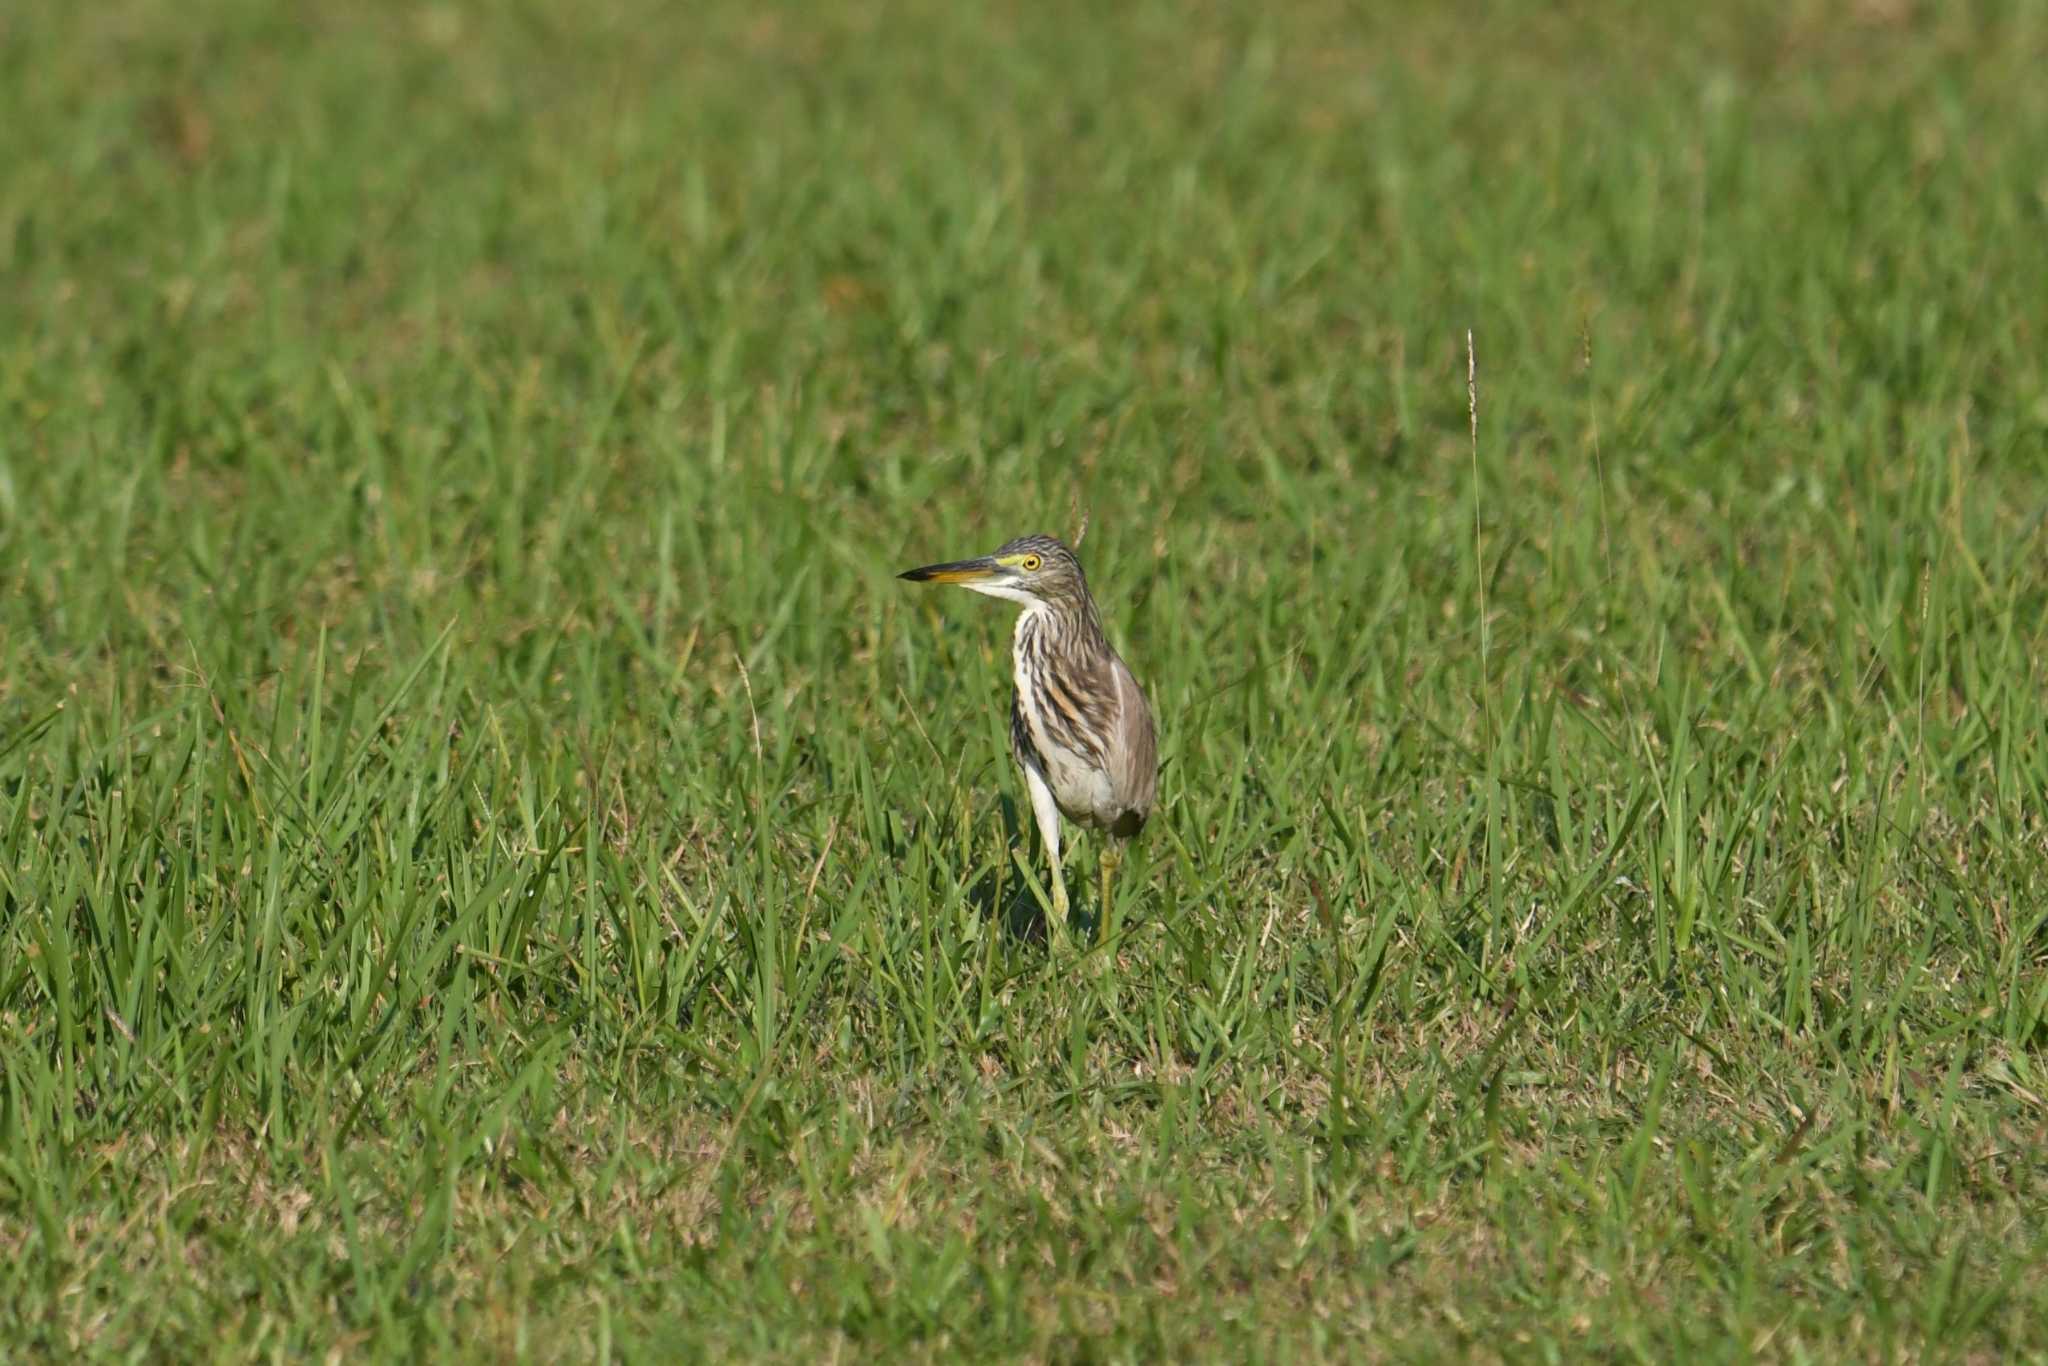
1076,627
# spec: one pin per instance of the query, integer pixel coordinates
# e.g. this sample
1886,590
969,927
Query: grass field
493,866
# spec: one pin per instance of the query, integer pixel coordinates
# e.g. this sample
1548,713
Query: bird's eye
1030,562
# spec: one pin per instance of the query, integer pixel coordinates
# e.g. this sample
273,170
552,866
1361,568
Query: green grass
492,865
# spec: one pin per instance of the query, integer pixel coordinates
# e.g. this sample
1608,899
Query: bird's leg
1106,923
1112,856
1056,922
1047,812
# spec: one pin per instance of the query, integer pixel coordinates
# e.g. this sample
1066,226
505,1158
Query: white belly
1081,789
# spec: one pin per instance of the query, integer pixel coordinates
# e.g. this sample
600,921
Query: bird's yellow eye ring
1029,563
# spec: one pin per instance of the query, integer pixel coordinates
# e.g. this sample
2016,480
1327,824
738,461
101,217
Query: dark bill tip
956,571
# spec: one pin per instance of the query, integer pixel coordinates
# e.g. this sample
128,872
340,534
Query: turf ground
492,866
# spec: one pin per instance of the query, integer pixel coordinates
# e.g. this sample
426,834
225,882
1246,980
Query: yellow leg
1107,923
1112,855
1047,814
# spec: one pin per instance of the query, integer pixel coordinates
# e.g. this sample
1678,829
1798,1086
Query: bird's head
1034,570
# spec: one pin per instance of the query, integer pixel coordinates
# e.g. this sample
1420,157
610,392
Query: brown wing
1134,756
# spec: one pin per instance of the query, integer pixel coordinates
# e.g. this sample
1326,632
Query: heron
1080,727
